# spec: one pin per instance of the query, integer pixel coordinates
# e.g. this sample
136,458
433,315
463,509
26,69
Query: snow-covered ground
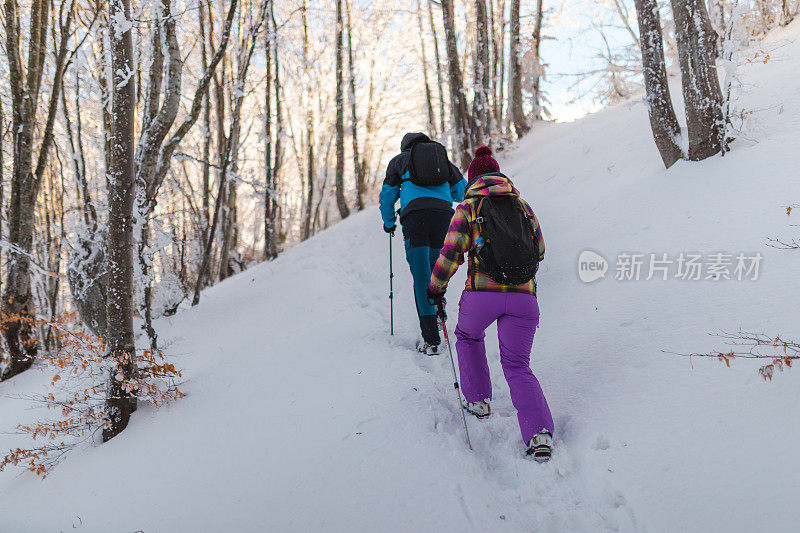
302,414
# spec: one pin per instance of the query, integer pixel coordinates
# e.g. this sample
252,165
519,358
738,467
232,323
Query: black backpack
428,165
509,252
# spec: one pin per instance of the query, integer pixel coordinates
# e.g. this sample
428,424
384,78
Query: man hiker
427,184
502,236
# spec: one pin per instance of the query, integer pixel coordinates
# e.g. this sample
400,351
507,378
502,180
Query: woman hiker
513,306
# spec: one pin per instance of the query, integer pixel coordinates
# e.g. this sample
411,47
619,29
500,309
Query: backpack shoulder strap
412,169
478,218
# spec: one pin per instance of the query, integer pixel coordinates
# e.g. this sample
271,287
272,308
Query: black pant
424,232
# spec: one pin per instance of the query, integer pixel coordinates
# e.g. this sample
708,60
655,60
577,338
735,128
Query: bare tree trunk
231,147
786,13
2,181
716,14
341,201
276,206
121,402
357,171
230,231
78,157
206,163
26,179
536,96
424,61
501,82
269,180
105,92
515,77
439,70
459,112
480,104
222,141
701,90
307,224
369,121
663,122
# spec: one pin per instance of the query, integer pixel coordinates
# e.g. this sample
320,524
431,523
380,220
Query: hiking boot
428,349
481,409
541,446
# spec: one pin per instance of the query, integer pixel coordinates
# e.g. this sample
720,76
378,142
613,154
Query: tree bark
341,201
439,69
459,112
716,14
206,163
480,104
276,172
78,158
26,179
701,90
501,86
357,170
269,180
2,184
229,151
663,122
424,62
121,402
536,96
307,224
515,76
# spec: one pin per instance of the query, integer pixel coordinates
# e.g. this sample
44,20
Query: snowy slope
302,413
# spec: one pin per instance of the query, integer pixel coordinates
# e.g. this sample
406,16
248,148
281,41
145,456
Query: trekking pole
391,288
442,316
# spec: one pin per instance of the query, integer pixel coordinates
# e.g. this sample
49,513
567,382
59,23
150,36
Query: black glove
390,231
437,300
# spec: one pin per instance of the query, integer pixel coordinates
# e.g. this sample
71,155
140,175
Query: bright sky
572,47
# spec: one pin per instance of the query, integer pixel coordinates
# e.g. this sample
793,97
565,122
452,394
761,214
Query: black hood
410,138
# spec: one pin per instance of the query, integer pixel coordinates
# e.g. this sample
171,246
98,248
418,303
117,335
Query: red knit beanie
483,163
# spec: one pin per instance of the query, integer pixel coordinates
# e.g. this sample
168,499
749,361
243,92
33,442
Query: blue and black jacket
397,186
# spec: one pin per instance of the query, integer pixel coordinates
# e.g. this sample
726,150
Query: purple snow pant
517,316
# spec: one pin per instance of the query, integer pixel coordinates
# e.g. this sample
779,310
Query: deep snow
302,414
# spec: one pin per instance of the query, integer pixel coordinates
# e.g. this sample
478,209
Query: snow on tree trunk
515,76
697,50
424,61
500,66
663,121
270,251
459,112
26,178
439,69
480,104
121,403
87,276
538,69
357,168
341,201
309,201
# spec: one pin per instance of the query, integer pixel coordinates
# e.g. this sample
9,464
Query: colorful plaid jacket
462,235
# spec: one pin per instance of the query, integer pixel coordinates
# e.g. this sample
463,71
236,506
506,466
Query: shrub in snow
79,370
779,352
